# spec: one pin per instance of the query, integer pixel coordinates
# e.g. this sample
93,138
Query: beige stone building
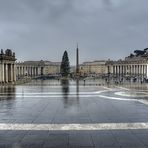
135,66
51,67
94,67
7,66
37,68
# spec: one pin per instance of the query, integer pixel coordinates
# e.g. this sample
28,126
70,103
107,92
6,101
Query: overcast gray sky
43,29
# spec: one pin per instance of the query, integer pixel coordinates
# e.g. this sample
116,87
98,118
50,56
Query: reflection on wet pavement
40,106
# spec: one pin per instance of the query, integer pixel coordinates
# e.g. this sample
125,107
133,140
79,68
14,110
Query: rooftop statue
139,53
2,52
8,52
13,54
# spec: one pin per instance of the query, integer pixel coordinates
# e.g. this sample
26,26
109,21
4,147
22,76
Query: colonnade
31,71
7,72
132,69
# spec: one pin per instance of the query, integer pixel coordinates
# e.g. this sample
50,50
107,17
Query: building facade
130,67
95,67
51,68
37,68
7,66
29,68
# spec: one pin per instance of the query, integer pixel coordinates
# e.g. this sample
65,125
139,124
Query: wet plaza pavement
50,113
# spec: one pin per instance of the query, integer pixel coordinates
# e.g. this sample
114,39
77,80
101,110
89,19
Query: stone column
138,69
122,70
23,71
147,71
36,71
135,70
110,66
143,70
31,71
113,70
28,71
127,69
11,72
2,73
18,72
117,70
130,70
39,71
6,73
14,72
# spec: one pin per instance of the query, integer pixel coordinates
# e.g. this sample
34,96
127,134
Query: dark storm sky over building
43,29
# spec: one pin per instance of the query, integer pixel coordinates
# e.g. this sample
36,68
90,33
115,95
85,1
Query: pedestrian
84,81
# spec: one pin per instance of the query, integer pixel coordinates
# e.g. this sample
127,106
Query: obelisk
77,61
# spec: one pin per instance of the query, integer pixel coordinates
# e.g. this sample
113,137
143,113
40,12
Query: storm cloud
43,29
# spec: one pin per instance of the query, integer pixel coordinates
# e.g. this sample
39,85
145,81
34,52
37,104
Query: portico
7,66
129,67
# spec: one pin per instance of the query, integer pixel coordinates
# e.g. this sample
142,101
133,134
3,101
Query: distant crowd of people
126,79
